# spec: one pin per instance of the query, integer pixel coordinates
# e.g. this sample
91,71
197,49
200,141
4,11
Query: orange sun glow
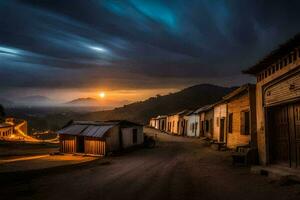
102,95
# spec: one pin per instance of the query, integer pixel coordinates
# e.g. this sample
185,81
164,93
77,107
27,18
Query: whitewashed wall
193,125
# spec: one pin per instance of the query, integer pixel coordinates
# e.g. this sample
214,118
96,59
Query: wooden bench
244,155
219,145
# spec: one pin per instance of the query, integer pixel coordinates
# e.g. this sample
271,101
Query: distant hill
83,102
189,98
35,101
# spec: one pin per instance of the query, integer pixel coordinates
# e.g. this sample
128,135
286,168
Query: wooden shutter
242,122
230,122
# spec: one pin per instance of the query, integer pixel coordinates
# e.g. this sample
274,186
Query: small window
245,123
218,122
196,126
134,136
230,122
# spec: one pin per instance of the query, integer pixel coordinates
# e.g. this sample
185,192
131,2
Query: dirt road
179,168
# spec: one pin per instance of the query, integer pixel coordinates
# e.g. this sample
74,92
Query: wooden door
285,135
202,128
296,135
80,144
280,135
222,130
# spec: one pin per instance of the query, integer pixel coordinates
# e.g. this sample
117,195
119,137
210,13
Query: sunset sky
134,49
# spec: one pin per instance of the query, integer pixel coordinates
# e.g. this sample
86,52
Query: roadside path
22,158
179,168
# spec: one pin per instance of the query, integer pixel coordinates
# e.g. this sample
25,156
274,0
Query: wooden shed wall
94,146
236,106
67,143
112,139
127,136
283,91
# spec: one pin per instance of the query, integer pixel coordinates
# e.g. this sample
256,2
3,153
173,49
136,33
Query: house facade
192,124
241,117
278,105
99,138
162,122
172,123
220,121
206,117
6,130
152,122
176,123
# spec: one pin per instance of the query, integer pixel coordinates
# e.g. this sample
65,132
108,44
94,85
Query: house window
206,125
196,126
218,122
134,136
245,123
230,122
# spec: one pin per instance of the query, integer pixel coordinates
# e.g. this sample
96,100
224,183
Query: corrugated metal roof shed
74,129
93,128
96,131
90,129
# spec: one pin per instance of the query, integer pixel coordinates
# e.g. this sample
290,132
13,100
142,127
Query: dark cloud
137,43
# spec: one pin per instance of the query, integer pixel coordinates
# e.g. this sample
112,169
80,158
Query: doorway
284,126
80,144
222,130
202,129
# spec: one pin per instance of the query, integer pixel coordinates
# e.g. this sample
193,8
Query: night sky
136,48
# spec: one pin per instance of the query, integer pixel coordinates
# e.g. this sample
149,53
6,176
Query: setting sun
102,94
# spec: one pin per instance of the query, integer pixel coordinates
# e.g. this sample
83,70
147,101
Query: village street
179,168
